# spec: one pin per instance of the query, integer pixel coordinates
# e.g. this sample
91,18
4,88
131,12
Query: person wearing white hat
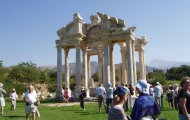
158,91
30,98
145,108
13,96
2,100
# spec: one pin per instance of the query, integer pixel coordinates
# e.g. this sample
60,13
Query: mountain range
156,63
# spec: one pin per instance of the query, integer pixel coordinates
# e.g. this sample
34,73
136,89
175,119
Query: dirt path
62,104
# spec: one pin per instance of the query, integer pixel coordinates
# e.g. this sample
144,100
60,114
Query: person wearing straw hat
13,96
2,100
145,108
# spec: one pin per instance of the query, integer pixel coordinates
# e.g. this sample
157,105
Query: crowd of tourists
145,100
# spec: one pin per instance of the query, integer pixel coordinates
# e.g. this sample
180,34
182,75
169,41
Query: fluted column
89,67
78,71
142,72
112,65
129,41
59,71
141,50
67,85
106,64
124,76
85,74
134,64
123,63
120,74
100,64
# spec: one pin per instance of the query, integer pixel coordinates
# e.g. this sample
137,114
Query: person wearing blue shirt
145,108
109,96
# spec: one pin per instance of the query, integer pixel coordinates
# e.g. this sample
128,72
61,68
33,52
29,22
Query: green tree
25,72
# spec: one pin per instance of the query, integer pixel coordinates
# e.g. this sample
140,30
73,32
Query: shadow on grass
13,116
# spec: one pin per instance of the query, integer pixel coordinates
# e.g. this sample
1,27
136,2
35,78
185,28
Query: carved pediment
72,28
94,33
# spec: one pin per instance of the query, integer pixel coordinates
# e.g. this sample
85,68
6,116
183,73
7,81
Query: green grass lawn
72,112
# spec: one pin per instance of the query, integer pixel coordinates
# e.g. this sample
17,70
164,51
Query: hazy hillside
94,67
162,64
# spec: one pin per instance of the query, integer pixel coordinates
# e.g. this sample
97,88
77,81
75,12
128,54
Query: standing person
176,89
151,89
117,112
170,95
2,100
30,98
13,96
100,91
132,95
82,96
158,91
109,96
184,99
66,95
145,108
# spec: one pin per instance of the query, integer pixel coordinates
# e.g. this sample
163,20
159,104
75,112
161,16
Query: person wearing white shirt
158,91
13,96
100,91
30,98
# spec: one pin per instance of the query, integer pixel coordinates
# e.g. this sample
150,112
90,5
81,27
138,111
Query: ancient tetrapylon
98,38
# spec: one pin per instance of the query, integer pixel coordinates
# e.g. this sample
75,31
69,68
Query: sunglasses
186,82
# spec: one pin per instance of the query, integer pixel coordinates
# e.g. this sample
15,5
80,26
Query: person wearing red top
66,95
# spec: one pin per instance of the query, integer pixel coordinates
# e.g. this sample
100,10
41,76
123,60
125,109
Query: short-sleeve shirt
30,97
13,95
100,90
184,94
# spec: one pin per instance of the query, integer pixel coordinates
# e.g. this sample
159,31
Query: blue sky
28,27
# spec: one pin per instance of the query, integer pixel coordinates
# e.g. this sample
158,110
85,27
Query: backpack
84,93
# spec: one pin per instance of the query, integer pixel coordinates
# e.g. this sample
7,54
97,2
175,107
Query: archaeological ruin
98,38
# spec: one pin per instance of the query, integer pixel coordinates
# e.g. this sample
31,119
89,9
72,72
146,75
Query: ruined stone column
67,76
120,74
89,67
142,72
129,42
100,64
112,65
141,58
106,65
134,64
59,71
78,71
124,76
123,63
85,75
